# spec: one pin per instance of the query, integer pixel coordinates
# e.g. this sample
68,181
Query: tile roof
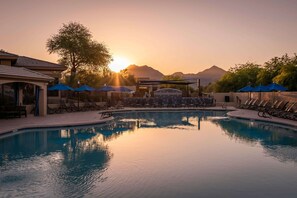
23,73
3,53
24,61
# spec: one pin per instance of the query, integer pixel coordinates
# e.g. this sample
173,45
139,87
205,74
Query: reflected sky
152,154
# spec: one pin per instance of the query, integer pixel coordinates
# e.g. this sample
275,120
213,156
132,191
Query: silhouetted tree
77,50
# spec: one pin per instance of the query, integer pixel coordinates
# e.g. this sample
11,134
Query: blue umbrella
84,88
261,88
60,87
81,89
246,89
276,87
106,88
122,89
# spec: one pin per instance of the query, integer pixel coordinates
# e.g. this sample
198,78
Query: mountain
144,72
207,76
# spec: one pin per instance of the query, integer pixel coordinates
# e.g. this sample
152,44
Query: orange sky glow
170,35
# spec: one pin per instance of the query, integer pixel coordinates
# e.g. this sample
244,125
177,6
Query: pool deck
53,120
253,115
94,117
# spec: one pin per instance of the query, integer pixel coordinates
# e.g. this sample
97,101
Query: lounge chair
253,104
246,106
72,106
287,112
53,110
63,106
246,103
94,105
87,106
278,108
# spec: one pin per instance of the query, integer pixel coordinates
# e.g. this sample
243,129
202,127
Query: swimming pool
152,154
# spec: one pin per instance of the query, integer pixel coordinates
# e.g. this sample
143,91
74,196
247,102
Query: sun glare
119,63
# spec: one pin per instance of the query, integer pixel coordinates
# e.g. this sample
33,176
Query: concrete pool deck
253,115
53,120
94,117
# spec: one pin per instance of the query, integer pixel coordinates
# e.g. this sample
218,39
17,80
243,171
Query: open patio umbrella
246,89
81,89
106,88
260,89
123,89
84,88
60,87
276,87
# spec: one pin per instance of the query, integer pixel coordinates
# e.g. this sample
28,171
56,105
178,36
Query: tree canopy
282,70
77,50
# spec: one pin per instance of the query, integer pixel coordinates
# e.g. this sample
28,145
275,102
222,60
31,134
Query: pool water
152,154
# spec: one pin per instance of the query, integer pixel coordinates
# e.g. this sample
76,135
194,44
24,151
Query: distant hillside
207,76
144,72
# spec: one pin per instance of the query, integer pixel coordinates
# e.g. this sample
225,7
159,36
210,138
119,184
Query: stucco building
24,80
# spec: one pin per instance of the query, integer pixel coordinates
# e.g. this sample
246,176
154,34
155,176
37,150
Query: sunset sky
169,35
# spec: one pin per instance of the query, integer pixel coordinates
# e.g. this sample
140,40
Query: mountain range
206,76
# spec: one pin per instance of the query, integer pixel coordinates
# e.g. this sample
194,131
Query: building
24,80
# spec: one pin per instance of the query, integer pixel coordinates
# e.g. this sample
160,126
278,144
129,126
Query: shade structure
168,92
246,89
261,88
123,89
106,88
276,87
60,87
84,88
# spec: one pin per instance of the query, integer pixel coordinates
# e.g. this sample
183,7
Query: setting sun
119,63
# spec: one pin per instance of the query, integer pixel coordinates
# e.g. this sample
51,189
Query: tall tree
287,74
237,77
77,50
271,69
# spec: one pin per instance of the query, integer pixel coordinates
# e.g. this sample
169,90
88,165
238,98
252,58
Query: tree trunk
73,76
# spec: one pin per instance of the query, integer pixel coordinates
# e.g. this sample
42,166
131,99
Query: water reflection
277,141
124,158
77,158
177,120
